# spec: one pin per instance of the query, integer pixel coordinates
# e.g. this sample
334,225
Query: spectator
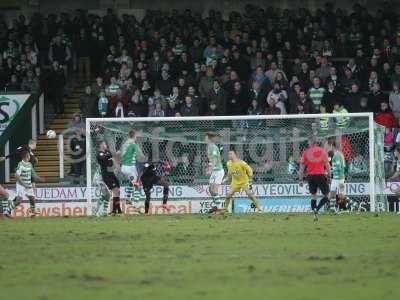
83,54
316,93
237,101
272,109
165,84
88,103
254,109
376,97
137,107
14,85
353,99
78,153
330,97
341,122
119,110
278,97
56,87
218,96
171,110
206,83
102,104
76,122
158,110
385,116
188,109
394,100
30,83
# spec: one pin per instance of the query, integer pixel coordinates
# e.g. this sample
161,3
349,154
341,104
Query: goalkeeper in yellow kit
241,177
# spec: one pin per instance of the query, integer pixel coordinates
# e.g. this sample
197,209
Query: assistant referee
316,160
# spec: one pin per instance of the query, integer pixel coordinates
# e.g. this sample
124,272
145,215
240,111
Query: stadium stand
179,63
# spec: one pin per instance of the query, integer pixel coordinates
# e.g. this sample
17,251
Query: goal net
271,145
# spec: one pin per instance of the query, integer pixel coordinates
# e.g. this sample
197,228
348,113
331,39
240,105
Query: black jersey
104,158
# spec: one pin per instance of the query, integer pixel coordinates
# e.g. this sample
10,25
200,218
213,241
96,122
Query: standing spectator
304,105
165,84
102,105
171,110
60,52
218,96
137,107
376,97
316,93
88,103
330,97
238,100
385,116
352,101
394,100
158,110
56,87
340,122
76,122
188,109
98,86
83,54
78,153
206,83
278,97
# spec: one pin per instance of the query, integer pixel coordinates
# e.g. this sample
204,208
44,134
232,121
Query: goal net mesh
272,147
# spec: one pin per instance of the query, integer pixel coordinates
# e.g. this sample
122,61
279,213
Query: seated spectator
183,171
304,105
272,109
376,97
98,86
358,166
254,109
158,111
13,85
385,116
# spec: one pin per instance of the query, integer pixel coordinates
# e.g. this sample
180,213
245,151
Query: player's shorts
111,181
217,177
335,185
24,192
130,172
316,182
237,188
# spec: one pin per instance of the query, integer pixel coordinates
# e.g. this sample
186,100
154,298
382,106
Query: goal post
272,145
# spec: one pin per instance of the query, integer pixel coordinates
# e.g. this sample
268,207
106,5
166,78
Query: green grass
198,257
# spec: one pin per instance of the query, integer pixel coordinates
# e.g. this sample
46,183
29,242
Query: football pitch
282,256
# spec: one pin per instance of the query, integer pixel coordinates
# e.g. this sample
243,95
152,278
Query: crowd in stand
179,63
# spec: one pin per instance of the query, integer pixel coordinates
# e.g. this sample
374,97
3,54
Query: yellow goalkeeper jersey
240,172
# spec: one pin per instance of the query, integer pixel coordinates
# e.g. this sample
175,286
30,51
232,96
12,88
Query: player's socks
257,205
313,204
32,207
216,199
226,204
105,202
116,206
146,206
6,208
322,202
165,194
136,191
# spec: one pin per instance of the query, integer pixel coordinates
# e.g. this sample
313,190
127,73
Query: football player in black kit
153,176
105,160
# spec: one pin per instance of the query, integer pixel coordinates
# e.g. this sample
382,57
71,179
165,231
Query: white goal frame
370,117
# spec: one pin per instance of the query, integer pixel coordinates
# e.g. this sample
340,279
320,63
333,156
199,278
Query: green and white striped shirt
129,152
24,171
316,96
214,157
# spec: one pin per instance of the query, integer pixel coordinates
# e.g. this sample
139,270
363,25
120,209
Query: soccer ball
51,134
